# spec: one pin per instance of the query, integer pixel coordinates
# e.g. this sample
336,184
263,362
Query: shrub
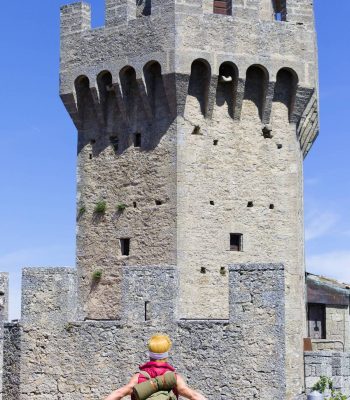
97,275
100,207
121,207
325,383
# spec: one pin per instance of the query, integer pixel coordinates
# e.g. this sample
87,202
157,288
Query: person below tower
157,379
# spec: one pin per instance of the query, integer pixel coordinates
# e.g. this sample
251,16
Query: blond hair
159,343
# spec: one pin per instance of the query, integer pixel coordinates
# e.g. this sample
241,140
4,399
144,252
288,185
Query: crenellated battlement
118,13
75,18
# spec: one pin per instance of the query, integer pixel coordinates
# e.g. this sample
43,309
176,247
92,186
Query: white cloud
319,224
334,264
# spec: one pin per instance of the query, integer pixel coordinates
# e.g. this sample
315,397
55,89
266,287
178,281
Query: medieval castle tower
193,120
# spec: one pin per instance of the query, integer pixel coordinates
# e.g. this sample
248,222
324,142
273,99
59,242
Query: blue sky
37,161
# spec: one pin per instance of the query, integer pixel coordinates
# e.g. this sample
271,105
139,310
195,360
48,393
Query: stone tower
193,120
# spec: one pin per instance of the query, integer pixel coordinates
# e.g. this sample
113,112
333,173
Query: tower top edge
76,17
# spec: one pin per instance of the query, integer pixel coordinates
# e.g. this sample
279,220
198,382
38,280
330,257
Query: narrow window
250,204
203,270
215,142
317,321
236,242
223,7
137,142
159,202
125,247
280,10
147,311
134,204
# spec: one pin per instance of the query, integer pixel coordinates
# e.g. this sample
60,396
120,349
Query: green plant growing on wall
101,207
81,211
325,383
338,396
97,275
121,207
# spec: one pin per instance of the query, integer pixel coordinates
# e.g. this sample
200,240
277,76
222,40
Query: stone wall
4,297
241,357
11,381
335,365
338,325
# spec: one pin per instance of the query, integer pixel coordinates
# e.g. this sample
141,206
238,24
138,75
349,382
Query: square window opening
125,246
236,241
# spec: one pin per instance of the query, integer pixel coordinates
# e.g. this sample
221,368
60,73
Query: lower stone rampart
335,365
52,357
11,362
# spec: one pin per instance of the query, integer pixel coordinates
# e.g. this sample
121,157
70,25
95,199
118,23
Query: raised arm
185,391
125,390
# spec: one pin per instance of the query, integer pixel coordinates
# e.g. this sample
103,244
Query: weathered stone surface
4,296
186,172
241,357
335,365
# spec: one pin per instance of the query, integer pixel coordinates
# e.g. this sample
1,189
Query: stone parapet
48,296
242,357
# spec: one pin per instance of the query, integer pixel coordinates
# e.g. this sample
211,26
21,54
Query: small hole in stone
279,146
137,140
134,204
159,202
250,204
196,130
92,141
223,271
215,142
267,132
90,156
212,203
272,206
203,270
2,293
